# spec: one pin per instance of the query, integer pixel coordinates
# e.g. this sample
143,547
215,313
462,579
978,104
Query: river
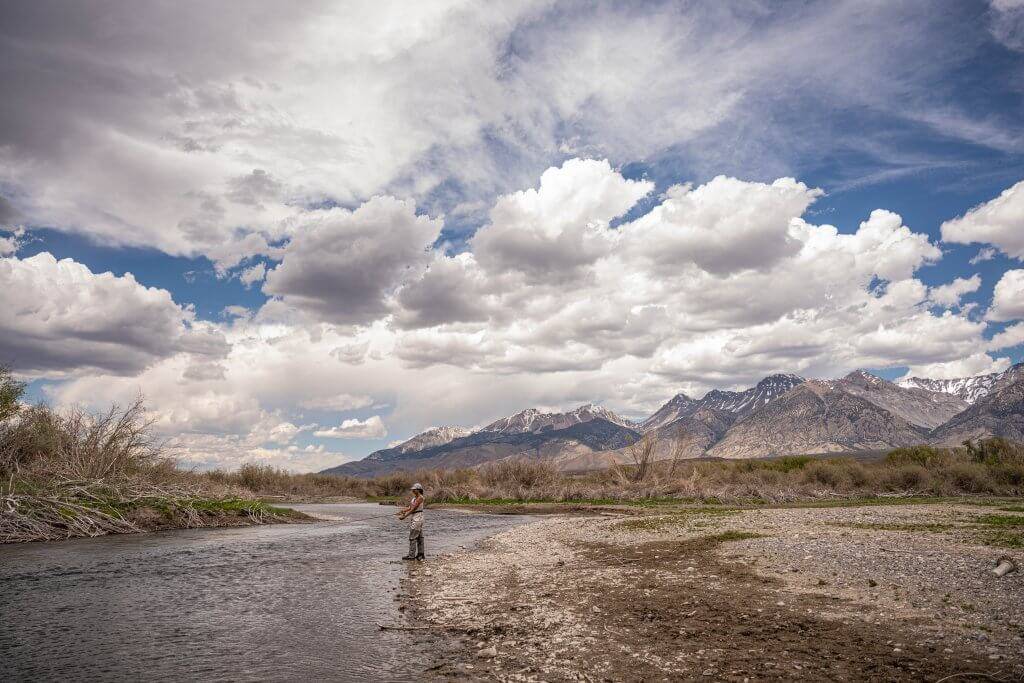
276,602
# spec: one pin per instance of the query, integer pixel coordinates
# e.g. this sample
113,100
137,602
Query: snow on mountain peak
533,420
969,389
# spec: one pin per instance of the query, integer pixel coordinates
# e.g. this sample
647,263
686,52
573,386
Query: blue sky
363,223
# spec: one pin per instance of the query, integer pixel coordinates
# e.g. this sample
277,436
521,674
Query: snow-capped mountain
969,389
435,436
919,407
782,414
768,389
532,420
678,406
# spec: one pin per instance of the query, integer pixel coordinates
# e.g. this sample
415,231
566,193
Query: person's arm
404,512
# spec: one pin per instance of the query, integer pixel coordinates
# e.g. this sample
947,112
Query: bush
525,474
911,477
80,445
834,474
995,451
924,456
11,392
967,477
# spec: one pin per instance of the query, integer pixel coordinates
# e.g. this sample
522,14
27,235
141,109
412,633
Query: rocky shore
855,593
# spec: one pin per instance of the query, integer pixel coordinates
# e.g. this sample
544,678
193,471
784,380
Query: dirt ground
798,594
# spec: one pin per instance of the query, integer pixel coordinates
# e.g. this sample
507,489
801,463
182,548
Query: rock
487,652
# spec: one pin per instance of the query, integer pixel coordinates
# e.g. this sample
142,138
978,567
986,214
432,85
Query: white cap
416,487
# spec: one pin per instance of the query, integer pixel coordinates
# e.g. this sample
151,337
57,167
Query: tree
11,391
641,452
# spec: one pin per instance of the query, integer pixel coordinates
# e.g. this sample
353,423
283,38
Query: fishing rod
361,519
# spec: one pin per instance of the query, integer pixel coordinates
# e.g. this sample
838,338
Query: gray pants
416,543
416,536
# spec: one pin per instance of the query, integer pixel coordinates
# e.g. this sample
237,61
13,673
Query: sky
305,231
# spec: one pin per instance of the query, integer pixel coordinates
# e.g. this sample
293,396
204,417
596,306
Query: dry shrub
77,445
905,478
835,475
519,474
967,477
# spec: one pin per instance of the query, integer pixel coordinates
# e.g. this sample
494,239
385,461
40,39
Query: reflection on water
284,602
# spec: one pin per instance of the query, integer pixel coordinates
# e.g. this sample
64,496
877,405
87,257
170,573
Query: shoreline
43,519
858,593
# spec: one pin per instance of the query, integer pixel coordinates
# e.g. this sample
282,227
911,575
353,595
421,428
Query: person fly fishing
415,509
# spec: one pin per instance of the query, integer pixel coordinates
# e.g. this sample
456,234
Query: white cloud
253,274
999,222
211,145
723,226
451,339
10,244
370,428
984,254
949,294
975,364
551,232
61,317
343,266
1008,297
1012,336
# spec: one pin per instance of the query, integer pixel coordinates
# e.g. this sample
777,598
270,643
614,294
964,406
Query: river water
277,602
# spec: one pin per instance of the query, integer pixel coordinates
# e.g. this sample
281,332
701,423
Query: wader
416,537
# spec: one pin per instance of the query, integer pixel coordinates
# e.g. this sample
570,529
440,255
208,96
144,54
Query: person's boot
419,550
412,550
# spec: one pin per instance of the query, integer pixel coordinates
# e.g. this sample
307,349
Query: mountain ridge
781,414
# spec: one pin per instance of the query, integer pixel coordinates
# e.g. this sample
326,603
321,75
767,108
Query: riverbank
80,510
814,593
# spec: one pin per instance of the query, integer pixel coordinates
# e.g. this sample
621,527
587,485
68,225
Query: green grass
1012,508
1001,520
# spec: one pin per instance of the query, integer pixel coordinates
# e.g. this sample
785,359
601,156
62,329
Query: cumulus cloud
343,266
451,290
550,232
723,226
456,339
999,222
1012,336
1008,297
370,428
949,294
60,317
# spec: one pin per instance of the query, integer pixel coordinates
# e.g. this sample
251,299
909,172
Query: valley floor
841,593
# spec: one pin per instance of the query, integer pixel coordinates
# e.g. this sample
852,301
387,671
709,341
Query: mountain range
782,414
